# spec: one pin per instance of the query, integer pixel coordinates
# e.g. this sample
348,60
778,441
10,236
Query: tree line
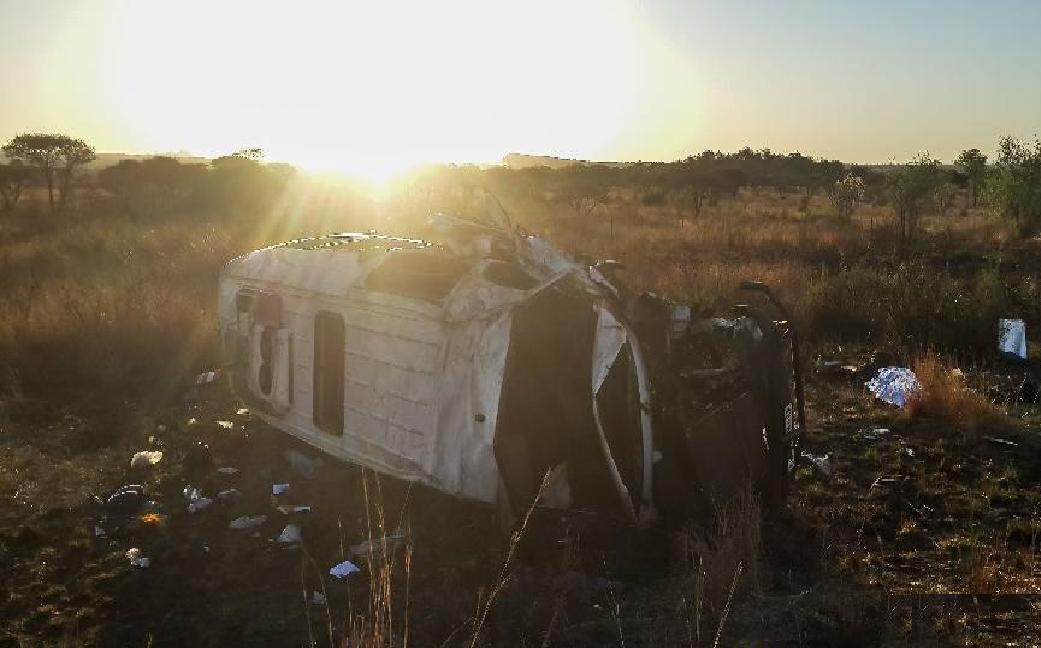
1009,187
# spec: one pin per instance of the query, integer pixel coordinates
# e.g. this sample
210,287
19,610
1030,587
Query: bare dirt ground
920,536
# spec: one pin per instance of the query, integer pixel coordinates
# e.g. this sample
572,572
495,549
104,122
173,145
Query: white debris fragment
821,462
893,385
145,459
228,470
100,532
137,558
191,421
227,425
230,494
1012,337
242,411
279,489
344,569
286,509
206,377
291,535
196,502
247,522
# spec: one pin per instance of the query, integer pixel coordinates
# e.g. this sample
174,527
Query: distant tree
974,165
910,188
945,193
1014,190
845,193
55,156
14,179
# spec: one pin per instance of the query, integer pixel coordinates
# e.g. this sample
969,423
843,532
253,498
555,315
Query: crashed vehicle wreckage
491,366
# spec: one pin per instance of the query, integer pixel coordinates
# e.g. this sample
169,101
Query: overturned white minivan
487,362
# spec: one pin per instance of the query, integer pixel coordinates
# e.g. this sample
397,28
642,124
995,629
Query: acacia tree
1015,189
910,188
845,193
14,179
55,156
973,164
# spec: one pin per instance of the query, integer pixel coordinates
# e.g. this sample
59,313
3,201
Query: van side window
328,372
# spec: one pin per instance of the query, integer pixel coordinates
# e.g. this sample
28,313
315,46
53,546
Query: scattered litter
317,598
145,459
301,463
344,569
1004,442
128,499
1012,337
191,421
247,522
376,547
286,509
278,489
152,519
876,433
230,494
820,462
242,411
207,377
893,385
291,535
228,470
909,451
227,425
100,533
196,502
137,558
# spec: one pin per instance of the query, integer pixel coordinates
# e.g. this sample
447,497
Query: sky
372,88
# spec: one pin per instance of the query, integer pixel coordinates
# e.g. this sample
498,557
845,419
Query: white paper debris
247,522
100,533
227,425
242,411
893,385
291,535
228,470
344,569
146,458
206,377
137,558
1012,337
278,489
286,509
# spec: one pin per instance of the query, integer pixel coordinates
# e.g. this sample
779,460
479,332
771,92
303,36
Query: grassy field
925,533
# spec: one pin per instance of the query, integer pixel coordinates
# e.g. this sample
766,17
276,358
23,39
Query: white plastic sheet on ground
893,385
1012,337
344,569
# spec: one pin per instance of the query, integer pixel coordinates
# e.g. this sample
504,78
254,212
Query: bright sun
373,89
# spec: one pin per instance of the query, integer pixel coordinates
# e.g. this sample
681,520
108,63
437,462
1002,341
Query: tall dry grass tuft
376,627
944,396
720,554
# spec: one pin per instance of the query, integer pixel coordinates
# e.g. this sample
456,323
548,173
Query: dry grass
944,396
722,555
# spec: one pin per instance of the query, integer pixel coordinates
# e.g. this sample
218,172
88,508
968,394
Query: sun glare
373,89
